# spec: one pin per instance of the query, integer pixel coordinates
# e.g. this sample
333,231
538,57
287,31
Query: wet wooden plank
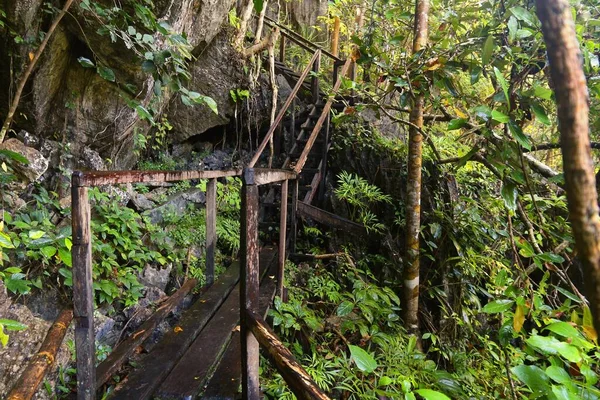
331,220
263,176
225,382
292,372
98,178
190,374
282,237
152,370
83,295
127,347
43,360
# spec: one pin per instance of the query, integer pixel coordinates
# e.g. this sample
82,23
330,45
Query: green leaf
5,241
36,234
364,361
551,345
457,123
385,381
3,336
523,15
12,325
509,195
106,73
212,104
562,393
540,113
518,134
149,67
497,306
345,308
488,49
14,156
500,117
564,329
534,377
258,5
144,114
86,63
503,83
513,27
558,374
65,257
49,251
17,284
429,394
542,92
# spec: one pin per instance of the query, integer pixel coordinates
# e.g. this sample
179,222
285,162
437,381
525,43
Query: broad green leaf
106,73
551,345
500,117
86,63
534,377
345,308
16,284
542,92
14,156
488,49
384,381
5,241
65,257
518,134
513,27
497,306
49,251
212,104
258,5
523,15
558,374
564,329
429,394
540,114
12,325
503,83
509,195
149,67
562,393
475,74
457,123
364,361
36,234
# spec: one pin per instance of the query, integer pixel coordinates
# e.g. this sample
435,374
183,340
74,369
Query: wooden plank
191,372
282,238
283,110
127,347
43,360
83,295
152,370
322,118
314,185
263,176
98,178
331,220
249,295
226,380
324,162
211,229
292,372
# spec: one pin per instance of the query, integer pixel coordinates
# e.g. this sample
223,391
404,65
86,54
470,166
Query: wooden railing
254,331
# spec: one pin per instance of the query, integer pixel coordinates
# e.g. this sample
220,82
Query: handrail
98,178
292,372
283,110
300,40
322,118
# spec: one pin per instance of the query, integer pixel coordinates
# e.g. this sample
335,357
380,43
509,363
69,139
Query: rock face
88,111
305,13
36,165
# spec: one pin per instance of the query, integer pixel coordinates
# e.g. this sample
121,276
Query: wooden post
335,37
315,80
282,237
282,46
336,71
211,229
293,217
83,295
249,284
293,124
324,161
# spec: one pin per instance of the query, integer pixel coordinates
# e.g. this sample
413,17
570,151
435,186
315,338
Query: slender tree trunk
413,202
572,102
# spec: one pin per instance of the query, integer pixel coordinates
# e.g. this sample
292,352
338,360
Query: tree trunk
572,102
413,202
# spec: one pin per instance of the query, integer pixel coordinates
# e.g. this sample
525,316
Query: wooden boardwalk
213,352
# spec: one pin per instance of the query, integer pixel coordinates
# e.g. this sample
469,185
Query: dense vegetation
501,312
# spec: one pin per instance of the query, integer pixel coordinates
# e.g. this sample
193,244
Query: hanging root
275,90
